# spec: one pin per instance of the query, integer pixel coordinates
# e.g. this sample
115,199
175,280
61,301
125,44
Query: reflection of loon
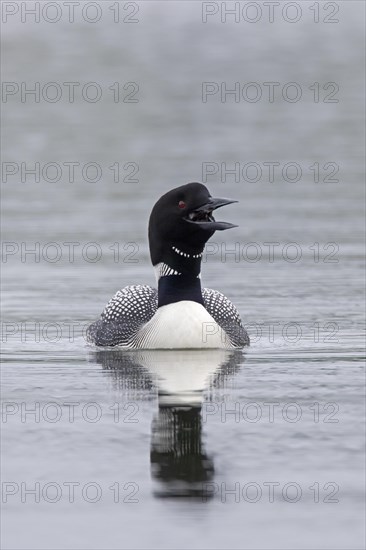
178,459
179,314
180,465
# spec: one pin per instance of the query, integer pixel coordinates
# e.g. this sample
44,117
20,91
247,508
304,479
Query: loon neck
178,275
176,261
175,288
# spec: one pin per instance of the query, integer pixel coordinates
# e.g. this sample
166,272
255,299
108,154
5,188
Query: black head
182,219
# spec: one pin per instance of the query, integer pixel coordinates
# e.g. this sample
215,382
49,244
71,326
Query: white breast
183,325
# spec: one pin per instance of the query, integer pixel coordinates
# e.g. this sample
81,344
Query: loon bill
179,314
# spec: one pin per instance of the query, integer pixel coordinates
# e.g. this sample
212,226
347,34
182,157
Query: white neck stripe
163,270
185,254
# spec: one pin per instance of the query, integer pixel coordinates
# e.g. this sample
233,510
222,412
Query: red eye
181,204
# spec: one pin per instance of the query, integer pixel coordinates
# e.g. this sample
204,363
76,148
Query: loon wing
128,310
226,316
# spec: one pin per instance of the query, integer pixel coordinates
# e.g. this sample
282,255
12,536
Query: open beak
203,217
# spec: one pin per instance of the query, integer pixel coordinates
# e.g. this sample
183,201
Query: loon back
179,314
125,317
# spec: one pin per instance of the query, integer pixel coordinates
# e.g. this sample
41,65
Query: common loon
179,314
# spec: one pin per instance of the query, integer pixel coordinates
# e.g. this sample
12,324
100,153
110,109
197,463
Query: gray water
257,449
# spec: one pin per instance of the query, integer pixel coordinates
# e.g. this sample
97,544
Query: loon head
181,222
